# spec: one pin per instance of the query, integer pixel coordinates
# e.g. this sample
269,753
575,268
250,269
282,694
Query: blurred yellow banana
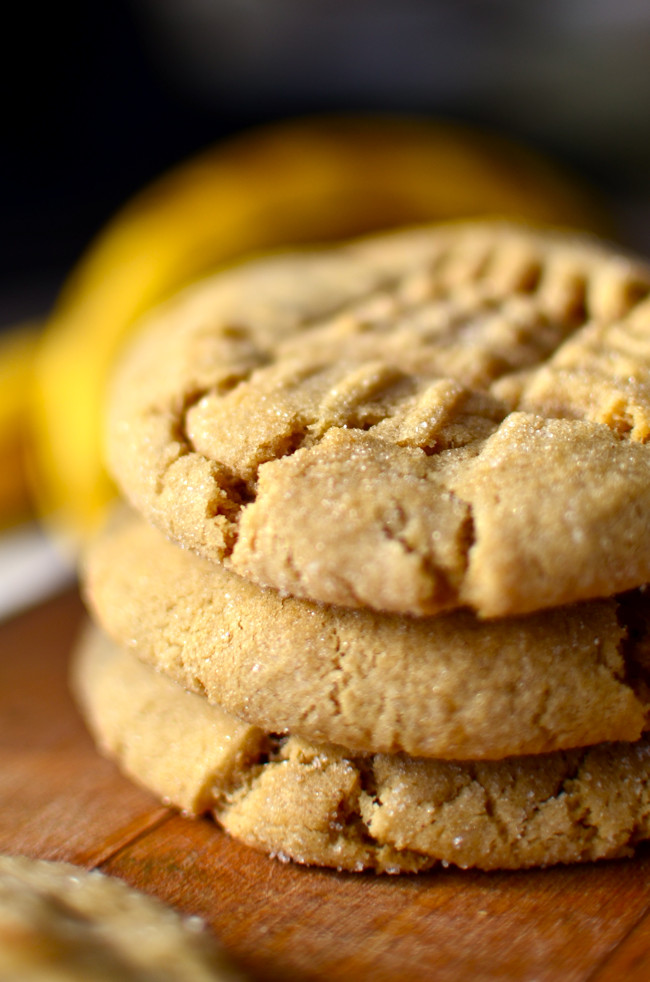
17,347
297,182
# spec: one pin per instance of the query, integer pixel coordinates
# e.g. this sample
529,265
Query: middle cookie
452,686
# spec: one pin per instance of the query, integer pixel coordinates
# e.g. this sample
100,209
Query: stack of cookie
378,600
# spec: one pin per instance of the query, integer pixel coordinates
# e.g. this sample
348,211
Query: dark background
99,97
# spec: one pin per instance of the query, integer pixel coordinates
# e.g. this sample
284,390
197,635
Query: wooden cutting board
60,800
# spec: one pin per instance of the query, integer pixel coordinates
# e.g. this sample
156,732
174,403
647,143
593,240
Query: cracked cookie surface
448,686
450,417
322,804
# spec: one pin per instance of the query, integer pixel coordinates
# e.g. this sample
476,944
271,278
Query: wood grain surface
60,800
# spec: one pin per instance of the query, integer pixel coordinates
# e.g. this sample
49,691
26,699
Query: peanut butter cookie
428,420
61,923
322,804
447,686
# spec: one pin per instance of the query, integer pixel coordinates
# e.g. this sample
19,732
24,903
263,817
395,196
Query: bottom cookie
320,804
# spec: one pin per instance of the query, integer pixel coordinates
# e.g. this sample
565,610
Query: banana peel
17,349
306,181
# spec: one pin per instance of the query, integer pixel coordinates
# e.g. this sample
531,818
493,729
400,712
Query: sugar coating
450,686
449,417
322,804
60,923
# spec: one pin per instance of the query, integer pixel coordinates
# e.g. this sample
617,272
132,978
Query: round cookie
450,686
405,423
322,804
60,922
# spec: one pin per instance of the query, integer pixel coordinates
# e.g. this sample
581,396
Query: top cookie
437,418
